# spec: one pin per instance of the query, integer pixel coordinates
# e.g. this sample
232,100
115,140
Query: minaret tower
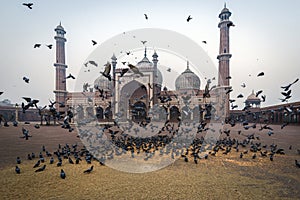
224,52
156,87
60,66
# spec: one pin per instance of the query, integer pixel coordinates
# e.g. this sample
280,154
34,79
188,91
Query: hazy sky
265,38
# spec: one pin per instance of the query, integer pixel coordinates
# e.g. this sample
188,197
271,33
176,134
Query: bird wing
124,71
35,101
93,63
213,87
261,74
295,81
107,69
28,99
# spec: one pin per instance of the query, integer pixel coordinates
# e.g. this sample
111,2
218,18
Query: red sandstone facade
60,76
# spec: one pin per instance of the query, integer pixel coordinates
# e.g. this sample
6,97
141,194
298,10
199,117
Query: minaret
60,66
155,87
114,65
224,52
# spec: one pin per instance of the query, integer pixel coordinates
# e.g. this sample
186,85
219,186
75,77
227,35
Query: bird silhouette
231,100
70,76
271,157
26,79
36,45
228,91
189,18
18,160
29,5
263,98
286,94
49,46
25,134
241,155
41,169
37,164
143,42
89,170
233,106
286,88
240,96
62,174
106,72
93,63
204,42
146,16
135,70
260,74
284,125
17,170
258,93
94,42
230,24
123,72
70,160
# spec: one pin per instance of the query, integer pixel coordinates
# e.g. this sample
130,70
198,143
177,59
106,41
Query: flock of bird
174,141
62,153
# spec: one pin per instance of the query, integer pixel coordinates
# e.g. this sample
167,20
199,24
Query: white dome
187,80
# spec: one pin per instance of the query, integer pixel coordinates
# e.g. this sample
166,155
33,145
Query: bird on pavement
62,174
89,170
41,169
18,170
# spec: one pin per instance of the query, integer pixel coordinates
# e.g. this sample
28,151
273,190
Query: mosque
138,97
142,97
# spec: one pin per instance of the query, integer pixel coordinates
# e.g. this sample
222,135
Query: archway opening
134,99
174,114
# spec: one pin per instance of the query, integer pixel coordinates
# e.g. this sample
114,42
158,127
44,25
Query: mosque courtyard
217,177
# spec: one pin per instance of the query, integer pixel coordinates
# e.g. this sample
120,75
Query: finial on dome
224,4
187,65
114,57
145,54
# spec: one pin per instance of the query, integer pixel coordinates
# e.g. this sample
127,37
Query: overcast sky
265,38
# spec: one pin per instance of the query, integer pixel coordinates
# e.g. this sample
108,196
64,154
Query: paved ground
220,177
